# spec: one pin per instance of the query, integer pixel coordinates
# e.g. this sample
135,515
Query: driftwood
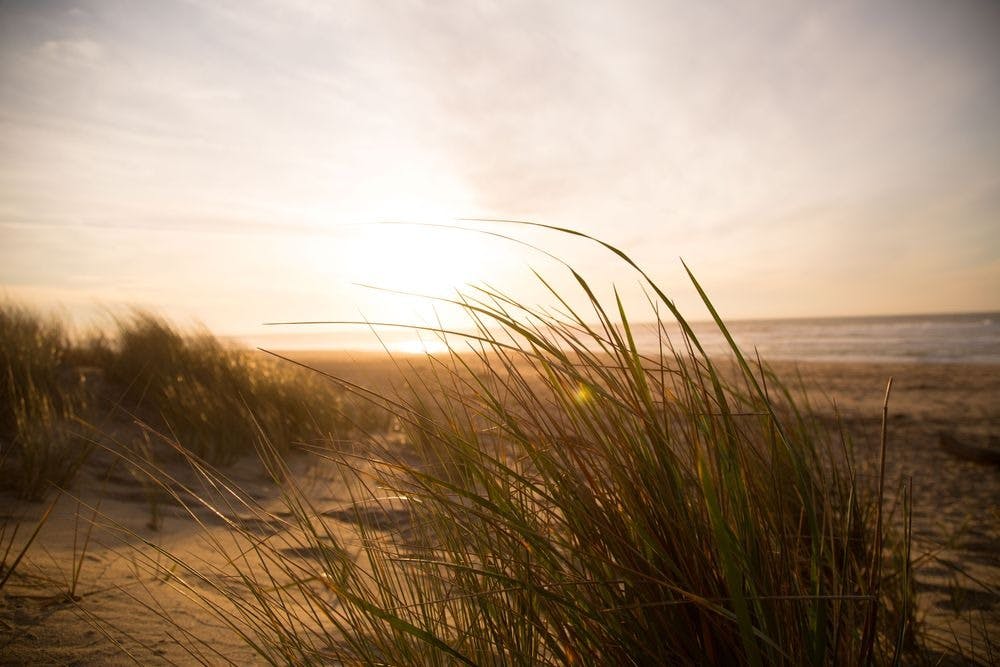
966,452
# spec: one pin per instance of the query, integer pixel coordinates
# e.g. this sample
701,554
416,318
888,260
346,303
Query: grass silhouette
560,497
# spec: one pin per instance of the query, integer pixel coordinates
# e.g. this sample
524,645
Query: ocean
969,338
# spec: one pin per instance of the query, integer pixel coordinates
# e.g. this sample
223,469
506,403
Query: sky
228,161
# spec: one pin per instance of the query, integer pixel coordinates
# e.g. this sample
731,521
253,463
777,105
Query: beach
956,501
499,333
123,608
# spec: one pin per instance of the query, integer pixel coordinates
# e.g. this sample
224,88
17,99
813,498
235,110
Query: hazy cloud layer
806,159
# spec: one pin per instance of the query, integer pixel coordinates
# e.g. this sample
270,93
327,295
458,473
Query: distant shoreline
969,338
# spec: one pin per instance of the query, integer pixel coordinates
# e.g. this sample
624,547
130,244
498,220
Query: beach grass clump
32,352
41,442
61,395
560,498
216,400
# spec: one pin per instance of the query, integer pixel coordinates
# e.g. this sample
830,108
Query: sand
117,615
956,502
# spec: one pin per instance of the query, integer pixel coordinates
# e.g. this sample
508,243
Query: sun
406,273
433,259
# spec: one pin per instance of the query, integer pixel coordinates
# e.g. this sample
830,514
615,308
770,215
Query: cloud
72,51
805,138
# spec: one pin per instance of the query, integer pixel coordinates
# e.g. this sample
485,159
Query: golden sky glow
222,160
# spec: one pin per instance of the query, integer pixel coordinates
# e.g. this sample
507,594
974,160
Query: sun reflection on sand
418,347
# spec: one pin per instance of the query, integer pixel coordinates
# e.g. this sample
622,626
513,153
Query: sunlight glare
419,346
419,259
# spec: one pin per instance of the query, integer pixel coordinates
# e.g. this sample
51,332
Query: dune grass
60,396
561,498
40,434
216,400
